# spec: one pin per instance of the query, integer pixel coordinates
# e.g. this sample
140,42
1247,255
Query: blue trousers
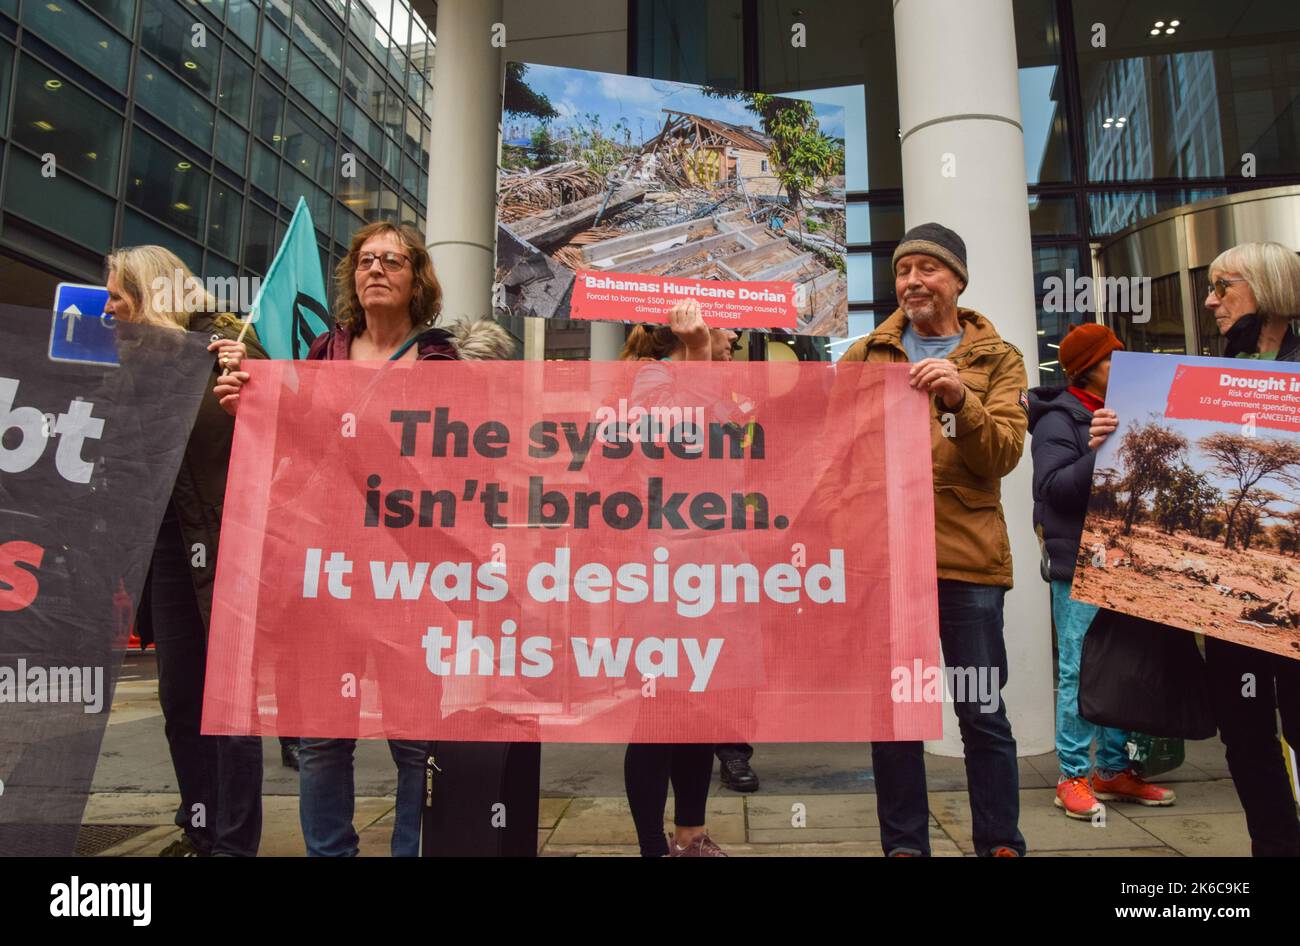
1074,734
327,796
970,629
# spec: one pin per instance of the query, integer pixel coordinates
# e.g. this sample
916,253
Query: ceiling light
183,165
1173,23
93,155
103,44
1159,23
54,8
1169,31
191,64
181,206
1155,32
53,84
43,125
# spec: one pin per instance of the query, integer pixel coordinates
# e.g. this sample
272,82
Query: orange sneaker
1076,797
1126,786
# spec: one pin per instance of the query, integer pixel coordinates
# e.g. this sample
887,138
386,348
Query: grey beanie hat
934,239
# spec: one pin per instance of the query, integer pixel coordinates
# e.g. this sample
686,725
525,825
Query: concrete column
964,167
606,340
461,233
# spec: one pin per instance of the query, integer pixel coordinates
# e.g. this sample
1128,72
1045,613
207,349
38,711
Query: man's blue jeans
327,796
970,630
1074,734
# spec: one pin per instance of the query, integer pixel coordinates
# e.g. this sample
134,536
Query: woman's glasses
1220,286
391,261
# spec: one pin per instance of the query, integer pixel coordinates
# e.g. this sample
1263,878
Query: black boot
738,776
289,754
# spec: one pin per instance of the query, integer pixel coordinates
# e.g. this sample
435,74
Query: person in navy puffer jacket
1059,419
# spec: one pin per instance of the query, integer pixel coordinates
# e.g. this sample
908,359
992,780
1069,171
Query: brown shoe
702,846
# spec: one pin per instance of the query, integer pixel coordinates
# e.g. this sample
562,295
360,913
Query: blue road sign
81,332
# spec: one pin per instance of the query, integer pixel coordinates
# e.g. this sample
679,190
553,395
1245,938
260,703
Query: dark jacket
200,489
1058,425
1243,338
433,344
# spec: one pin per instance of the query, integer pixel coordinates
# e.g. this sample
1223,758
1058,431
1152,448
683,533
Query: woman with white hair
1254,294
220,777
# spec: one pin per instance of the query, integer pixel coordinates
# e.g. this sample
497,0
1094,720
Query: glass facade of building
198,125
1122,117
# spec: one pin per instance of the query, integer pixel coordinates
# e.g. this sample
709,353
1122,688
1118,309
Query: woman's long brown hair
426,292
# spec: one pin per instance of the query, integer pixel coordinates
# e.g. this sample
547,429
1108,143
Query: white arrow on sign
72,314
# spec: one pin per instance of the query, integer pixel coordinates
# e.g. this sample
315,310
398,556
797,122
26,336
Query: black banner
88,457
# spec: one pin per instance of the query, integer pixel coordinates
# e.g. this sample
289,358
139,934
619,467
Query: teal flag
291,307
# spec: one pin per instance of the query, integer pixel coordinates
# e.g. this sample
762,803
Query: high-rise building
198,125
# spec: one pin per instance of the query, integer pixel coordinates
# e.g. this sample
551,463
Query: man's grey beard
926,312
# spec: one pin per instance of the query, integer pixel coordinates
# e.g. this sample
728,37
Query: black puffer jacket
1243,338
1058,424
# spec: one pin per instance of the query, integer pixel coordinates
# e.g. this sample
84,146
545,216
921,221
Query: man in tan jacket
977,386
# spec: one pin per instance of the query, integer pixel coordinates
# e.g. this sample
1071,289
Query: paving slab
608,821
550,810
590,850
1043,825
147,844
131,808
1212,835
778,812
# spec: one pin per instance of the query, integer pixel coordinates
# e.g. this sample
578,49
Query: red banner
576,552
1236,396
630,297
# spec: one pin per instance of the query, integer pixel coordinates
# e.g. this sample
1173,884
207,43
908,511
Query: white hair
1271,270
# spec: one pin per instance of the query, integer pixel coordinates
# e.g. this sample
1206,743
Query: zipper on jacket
429,766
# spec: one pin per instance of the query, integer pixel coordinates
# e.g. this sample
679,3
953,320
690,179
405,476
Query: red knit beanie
1085,345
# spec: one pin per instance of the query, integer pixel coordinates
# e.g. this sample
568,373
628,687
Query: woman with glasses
387,300
1254,294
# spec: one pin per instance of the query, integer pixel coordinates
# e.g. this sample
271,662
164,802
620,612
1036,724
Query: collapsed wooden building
705,151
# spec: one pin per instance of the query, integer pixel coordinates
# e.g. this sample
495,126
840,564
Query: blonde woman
220,777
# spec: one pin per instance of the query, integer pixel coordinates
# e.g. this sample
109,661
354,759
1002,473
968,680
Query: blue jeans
327,796
1074,734
970,630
